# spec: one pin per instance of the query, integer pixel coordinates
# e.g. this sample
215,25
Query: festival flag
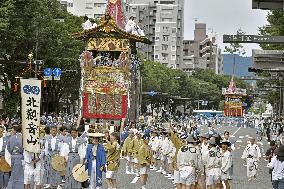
115,9
31,97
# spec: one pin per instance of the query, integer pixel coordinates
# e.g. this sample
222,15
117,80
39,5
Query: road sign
252,39
47,72
152,93
204,103
56,73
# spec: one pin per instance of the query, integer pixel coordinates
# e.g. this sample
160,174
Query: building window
174,30
156,56
157,38
165,47
167,19
165,29
165,56
174,39
156,47
174,48
157,29
89,5
70,5
173,57
165,38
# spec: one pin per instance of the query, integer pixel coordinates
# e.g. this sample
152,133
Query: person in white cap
127,150
138,142
178,143
167,154
203,148
95,160
145,160
154,143
252,155
112,148
213,166
187,163
226,163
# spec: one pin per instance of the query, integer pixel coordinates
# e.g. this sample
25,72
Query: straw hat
4,166
79,173
96,135
58,163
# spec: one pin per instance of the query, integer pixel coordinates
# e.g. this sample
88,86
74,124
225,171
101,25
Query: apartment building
163,24
202,52
90,8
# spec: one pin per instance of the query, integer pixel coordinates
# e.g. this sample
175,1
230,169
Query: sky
224,17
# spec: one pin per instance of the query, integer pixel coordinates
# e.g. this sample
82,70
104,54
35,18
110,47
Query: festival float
234,97
109,66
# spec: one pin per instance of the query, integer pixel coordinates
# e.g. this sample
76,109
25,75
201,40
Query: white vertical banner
31,96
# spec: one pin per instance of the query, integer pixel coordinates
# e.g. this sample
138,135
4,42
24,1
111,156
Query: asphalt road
240,181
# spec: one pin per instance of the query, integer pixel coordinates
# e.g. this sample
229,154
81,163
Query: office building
163,24
202,52
90,8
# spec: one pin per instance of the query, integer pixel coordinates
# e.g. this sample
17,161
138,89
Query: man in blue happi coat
95,160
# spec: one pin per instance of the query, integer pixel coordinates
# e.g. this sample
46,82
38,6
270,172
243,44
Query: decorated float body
109,72
234,97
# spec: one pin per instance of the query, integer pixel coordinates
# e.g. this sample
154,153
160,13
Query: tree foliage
204,84
31,26
275,27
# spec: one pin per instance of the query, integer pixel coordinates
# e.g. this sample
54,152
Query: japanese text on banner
31,96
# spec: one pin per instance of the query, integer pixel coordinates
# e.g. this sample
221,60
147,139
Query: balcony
268,4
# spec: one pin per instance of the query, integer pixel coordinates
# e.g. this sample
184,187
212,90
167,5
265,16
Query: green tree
31,26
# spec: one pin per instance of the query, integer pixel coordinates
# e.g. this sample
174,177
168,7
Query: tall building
163,24
90,8
202,52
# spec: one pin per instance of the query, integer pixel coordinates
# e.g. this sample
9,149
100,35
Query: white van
266,115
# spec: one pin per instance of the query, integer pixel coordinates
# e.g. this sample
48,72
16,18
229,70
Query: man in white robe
226,163
252,155
32,169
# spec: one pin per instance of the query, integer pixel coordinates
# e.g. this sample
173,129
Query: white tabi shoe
47,186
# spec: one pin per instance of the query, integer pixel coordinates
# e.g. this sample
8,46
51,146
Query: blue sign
47,72
152,93
57,72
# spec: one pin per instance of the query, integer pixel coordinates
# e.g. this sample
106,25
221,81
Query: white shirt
252,150
187,156
226,161
73,142
94,25
278,169
1,144
87,25
53,142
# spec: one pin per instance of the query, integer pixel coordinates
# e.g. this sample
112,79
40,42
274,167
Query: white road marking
241,136
236,131
239,141
134,180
